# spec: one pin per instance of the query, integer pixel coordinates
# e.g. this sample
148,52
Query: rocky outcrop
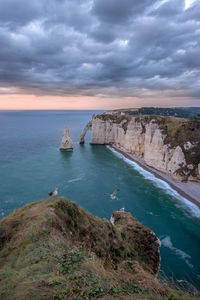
87,127
168,144
69,252
66,143
147,242
54,249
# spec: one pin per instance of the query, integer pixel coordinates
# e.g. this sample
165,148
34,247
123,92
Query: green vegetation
92,287
70,259
123,235
178,112
48,251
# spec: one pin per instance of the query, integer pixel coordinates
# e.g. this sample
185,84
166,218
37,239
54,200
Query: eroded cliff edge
53,249
168,144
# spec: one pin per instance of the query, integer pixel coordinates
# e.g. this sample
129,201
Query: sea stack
66,143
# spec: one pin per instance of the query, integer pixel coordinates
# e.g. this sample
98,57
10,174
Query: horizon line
58,109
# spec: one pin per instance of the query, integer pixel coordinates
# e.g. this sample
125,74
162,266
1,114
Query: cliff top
177,130
53,249
180,112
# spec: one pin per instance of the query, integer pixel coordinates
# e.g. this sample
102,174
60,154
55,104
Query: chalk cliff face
168,144
87,127
66,143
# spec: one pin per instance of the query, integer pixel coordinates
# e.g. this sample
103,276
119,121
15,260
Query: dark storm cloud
18,13
113,11
108,47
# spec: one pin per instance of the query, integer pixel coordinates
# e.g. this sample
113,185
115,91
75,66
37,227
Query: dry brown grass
53,249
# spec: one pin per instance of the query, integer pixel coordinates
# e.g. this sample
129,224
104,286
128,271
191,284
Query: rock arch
87,127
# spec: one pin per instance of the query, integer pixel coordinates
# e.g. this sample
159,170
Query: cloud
118,12
95,47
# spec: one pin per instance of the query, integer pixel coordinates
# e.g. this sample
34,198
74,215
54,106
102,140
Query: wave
166,242
75,179
65,183
183,202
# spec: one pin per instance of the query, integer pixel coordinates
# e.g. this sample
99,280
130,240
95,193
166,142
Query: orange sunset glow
32,102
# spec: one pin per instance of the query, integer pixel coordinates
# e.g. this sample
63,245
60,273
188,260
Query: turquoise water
31,165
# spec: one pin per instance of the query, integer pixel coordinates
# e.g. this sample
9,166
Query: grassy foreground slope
53,249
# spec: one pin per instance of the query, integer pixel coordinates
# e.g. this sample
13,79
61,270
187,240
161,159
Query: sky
99,54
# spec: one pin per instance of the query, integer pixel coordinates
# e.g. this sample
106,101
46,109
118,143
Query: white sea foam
66,182
75,179
183,202
166,242
150,213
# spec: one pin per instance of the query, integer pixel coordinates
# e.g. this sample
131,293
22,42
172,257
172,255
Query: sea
31,166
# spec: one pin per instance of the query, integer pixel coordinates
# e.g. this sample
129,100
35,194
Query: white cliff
66,143
87,127
145,138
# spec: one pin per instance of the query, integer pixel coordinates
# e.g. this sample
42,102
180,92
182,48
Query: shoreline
181,188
